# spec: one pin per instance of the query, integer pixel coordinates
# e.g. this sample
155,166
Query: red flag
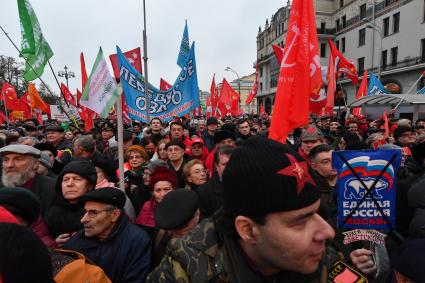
25,105
342,65
213,97
79,94
8,93
35,100
3,117
125,116
67,95
300,75
133,56
208,112
360,93
254,89
229,99
163,85
331,84
86,115
262,111
84,77
278,52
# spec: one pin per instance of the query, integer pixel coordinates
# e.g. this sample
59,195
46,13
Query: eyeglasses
199,171
92,213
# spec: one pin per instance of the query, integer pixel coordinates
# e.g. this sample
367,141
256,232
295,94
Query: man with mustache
20,164
120,248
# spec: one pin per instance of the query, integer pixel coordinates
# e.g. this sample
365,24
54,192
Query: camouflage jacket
207,254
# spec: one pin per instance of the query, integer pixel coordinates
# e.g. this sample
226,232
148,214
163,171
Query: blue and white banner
368,165
184,47
421,91
179,100
375,85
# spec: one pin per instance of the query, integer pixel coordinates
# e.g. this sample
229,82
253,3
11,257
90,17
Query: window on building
360,65
344,21
363,11
394,54
261,86
386,26
423,50
384,58
341,3
260,72
362,37
283,27
323,50
343,44
389,2
396,22
337,25
275,33
322,27
423,12
337,44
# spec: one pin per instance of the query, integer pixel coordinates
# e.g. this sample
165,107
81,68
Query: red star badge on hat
299,170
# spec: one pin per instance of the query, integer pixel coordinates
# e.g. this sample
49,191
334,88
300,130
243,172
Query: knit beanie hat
264,176
163,174
83,168
139,149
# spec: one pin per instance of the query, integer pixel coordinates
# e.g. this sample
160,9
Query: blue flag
179,100
184,48
375,85
368,165
421,91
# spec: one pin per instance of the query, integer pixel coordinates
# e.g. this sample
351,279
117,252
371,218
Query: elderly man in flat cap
120,248
20,164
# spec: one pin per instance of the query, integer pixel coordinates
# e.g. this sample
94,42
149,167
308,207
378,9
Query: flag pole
32,69
145,60
343,96
5,108
410,89
57,81
120,131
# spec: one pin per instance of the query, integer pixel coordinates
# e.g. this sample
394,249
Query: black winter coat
64,217
124,256
210,196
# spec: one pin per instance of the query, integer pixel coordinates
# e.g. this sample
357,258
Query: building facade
386,37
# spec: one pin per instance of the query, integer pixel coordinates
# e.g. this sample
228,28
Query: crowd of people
204,200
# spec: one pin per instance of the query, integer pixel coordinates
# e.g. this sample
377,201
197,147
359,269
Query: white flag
100,93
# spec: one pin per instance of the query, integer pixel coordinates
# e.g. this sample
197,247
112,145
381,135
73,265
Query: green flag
34,47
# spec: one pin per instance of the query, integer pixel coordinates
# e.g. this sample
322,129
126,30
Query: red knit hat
163,174
6,216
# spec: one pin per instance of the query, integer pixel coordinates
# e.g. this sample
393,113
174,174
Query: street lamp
239,81
66,74
371,25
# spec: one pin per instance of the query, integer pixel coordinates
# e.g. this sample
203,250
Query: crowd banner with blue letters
375,85
179,100
366,188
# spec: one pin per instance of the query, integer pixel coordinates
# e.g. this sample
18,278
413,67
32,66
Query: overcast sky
224,31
